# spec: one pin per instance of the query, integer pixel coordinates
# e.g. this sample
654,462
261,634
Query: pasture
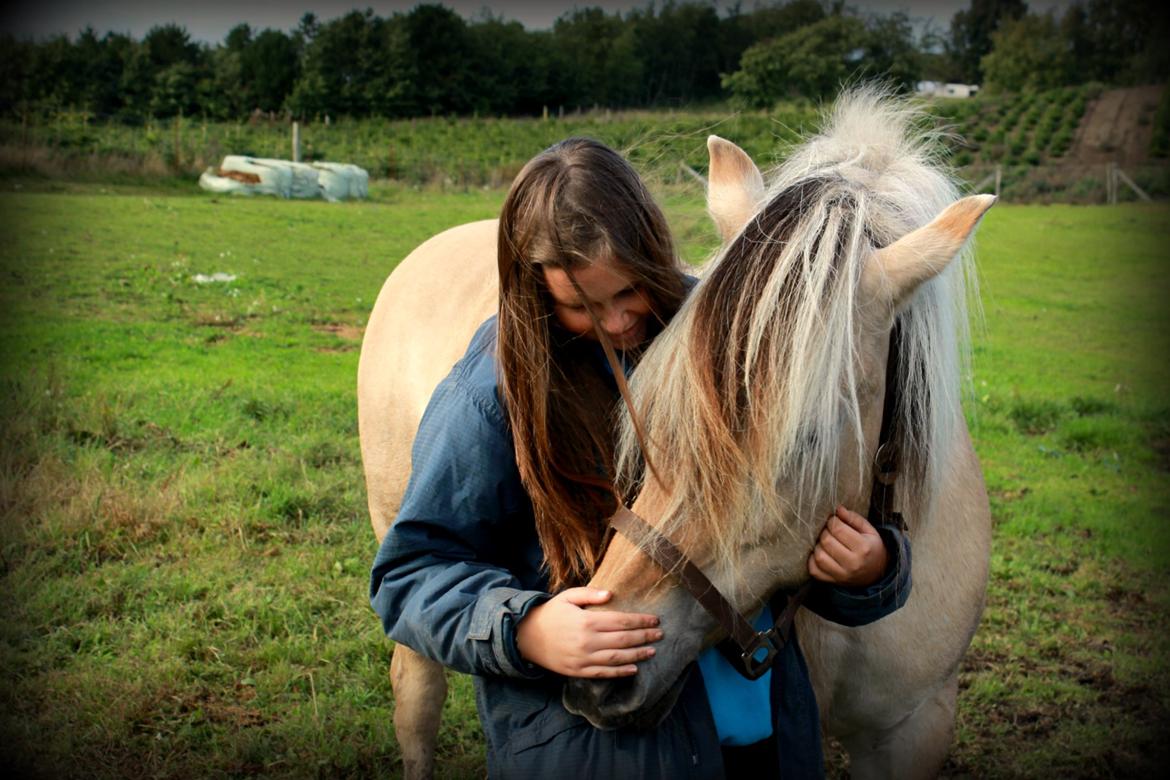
184,544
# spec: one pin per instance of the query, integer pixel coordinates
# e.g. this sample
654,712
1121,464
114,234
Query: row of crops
459,151
1027,128
1015,131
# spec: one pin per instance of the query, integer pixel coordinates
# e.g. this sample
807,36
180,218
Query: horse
764,395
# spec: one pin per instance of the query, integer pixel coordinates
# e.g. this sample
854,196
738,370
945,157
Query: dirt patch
1117,126
230,322
341,330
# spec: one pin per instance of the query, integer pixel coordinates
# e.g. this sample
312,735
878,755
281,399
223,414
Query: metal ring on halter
770,643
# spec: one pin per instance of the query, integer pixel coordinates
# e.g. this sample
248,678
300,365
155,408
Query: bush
1087,405
1096,433
1035,417
1160,139
1060,143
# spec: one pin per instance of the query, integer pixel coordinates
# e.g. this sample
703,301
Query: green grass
184,542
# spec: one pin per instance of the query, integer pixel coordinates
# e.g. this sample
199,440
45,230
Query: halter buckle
770,643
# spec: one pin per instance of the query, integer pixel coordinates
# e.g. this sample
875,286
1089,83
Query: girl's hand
849,551
565,638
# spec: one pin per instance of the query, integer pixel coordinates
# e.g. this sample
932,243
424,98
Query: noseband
748,641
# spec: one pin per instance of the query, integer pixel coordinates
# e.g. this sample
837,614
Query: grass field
184,544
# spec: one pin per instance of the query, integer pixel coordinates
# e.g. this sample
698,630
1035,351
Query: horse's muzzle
620,702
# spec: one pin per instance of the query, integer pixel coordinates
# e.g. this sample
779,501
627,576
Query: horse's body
887,691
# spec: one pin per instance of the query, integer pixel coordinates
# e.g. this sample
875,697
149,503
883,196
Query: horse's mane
755,382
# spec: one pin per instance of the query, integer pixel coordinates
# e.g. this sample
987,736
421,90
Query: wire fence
1074,182
488,152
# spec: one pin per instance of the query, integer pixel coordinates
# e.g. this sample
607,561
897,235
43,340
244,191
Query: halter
746,639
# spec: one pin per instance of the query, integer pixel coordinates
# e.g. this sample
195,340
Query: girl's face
615,296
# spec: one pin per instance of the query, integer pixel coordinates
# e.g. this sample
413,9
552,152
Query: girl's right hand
564,637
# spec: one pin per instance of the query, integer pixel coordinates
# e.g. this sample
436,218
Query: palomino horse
764,396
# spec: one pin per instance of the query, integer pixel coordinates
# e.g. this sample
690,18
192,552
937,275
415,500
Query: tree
812,61
598,65
1120,41
890,53
438,43
971,32
511,65
173,66
169,44
1028,53
678,48
269,65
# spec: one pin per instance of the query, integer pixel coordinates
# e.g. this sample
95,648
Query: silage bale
212,181
362,180
305,181
334,179
275,175
302,177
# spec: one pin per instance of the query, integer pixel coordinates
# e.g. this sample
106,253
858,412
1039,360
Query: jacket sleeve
859,606
440,582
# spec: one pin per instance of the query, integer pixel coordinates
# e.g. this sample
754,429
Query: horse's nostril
613,692
601,699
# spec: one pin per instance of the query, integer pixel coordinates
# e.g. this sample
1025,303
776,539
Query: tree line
430,61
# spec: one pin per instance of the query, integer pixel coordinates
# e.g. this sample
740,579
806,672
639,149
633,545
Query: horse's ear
899,268
735,187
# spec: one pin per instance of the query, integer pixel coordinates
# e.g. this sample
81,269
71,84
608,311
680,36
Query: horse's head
761,403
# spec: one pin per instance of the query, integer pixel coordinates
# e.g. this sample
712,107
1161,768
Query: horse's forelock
754,383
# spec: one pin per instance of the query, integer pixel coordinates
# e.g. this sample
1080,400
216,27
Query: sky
210,20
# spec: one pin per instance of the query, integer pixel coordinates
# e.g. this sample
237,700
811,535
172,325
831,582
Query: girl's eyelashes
632,290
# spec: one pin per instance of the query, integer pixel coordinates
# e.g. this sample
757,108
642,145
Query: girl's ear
735,187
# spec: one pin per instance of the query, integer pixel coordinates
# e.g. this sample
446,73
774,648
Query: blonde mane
746,397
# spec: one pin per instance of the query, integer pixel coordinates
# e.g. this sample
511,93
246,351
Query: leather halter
748,641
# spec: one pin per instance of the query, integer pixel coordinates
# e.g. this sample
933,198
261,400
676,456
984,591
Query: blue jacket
462,565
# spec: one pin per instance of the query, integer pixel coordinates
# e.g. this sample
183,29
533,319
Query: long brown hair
576,202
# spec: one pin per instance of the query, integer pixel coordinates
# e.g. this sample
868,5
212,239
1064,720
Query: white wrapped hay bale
228,182
336,180
302,177
243,175
274,179
360,182
305,183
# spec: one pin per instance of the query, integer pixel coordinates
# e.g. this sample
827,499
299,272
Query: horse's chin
617,704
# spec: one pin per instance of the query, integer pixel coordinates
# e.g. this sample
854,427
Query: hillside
1117,126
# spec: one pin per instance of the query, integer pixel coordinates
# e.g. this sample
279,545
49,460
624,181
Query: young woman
503,519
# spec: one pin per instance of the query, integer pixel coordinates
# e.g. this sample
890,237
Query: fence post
700,178
296,142
1120,174
178,143
998,178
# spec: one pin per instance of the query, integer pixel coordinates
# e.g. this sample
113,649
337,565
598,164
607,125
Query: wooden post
998,178
544,115
1120,174
179,141
296,142
700,178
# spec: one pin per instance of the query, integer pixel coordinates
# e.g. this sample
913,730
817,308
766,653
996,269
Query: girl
512,482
